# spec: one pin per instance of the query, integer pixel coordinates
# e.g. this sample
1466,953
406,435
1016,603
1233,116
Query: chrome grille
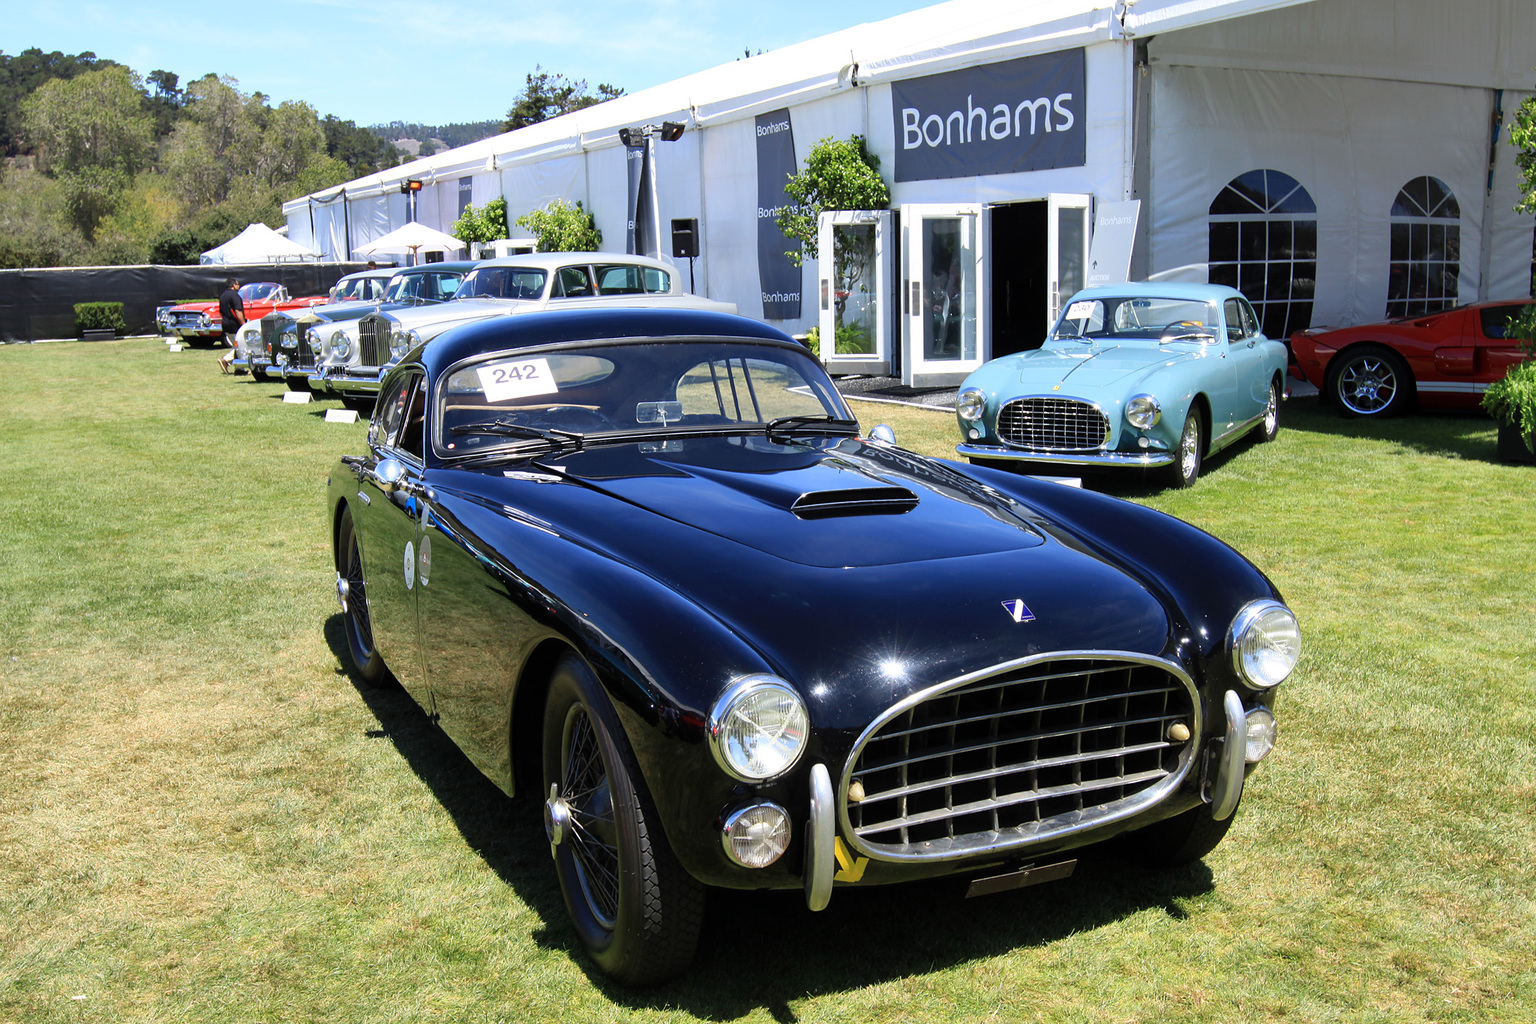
1052,747
304,355
185,318
272,326
1053,425
373,341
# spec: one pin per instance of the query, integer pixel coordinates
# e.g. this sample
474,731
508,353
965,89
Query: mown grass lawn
202,819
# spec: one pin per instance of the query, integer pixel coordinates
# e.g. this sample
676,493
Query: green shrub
1513,400
99,316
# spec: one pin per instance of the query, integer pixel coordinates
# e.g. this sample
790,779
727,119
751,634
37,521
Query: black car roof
551,327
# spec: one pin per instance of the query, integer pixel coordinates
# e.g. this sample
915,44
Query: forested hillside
103,166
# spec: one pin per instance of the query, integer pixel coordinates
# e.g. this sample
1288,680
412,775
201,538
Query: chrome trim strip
820,831
957,849
1228,788
1149,459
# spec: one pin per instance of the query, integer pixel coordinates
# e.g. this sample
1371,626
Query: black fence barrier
39,304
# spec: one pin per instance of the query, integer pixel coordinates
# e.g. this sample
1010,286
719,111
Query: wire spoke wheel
595,851
634,908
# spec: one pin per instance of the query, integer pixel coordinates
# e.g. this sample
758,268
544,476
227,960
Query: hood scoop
854,501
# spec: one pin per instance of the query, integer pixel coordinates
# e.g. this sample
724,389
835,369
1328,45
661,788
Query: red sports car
1442,360
200,320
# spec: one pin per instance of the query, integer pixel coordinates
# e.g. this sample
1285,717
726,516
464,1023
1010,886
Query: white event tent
257,244
1336,159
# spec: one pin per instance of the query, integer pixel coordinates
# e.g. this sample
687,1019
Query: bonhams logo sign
1020,115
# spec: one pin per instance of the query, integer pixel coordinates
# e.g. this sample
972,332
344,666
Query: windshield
623,390
421,289
1139,316
258,291
502,283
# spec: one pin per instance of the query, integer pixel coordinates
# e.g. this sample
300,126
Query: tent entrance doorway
1039,252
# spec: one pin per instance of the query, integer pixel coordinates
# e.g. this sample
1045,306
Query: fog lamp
1260,734
1265,642
757,728
971,403
756,836
1143,412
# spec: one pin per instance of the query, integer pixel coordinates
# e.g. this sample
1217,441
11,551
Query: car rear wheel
352,588
1269,427
635,909
1186,458
1368,383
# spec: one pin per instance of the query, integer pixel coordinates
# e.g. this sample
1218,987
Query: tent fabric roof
257,244
951,35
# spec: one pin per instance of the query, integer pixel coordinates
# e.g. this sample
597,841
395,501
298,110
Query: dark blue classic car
642,564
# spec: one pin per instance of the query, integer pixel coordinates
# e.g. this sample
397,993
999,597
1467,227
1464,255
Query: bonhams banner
1020,115
775,163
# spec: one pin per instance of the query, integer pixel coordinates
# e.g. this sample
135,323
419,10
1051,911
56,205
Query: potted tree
1512,400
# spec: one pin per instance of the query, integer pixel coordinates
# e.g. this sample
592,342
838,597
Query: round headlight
341,345
1266,643
399,343
971,404
289,338
1143,412
756,836
757,729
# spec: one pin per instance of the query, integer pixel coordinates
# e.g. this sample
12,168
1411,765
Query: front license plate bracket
1034,874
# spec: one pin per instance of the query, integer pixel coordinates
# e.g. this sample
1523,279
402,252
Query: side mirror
388,474
881,433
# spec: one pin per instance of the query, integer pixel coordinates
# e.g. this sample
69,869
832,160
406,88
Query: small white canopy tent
257,244
410,238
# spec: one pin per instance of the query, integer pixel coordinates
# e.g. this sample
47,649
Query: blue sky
424,61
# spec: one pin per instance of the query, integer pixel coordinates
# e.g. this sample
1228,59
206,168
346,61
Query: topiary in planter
1512,401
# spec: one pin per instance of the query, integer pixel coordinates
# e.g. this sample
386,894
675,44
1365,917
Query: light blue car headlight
1143,412
971,404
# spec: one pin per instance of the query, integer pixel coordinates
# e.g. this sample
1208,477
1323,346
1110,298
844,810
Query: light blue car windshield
1139,316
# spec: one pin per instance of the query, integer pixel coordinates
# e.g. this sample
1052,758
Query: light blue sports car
1143,374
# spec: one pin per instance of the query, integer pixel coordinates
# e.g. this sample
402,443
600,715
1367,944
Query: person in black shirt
231,316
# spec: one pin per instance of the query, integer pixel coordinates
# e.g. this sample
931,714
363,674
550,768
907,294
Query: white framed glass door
853,288
944,292
1070,231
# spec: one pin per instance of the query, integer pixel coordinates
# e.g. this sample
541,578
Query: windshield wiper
506,428
822,425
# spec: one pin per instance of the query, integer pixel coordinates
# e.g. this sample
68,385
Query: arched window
1263,242
1426,249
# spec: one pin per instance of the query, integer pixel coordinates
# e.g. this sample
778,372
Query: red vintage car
200,320
1442,360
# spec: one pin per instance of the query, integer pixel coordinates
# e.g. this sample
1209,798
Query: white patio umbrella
410,238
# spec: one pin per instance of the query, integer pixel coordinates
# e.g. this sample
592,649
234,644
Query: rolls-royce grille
1050,748
272,333
1053,425
304,355
373,341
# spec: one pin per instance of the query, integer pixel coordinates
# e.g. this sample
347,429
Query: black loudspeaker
685,237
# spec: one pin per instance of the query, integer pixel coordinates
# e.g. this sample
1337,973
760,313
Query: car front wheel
1368,383
1186,458
635,909
352,588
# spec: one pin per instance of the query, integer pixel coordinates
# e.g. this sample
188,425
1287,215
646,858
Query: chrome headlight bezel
971,404
288,338
1143,411
400,342
757,834
1264,643
757,756
340,345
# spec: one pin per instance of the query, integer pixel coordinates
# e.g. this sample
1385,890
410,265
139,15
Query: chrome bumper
347,384
1147,459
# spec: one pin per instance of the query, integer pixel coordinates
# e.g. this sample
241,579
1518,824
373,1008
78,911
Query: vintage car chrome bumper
1149,459
332,381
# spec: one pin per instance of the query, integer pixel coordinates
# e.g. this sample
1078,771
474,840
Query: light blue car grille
1053,425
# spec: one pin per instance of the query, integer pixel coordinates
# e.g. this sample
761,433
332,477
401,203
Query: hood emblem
1019,610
